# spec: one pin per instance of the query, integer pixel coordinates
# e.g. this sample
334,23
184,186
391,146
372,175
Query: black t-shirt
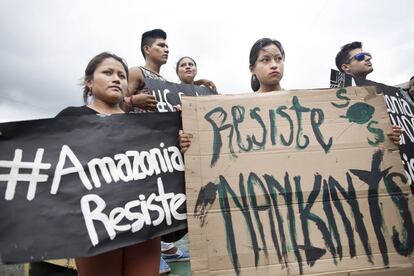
76,111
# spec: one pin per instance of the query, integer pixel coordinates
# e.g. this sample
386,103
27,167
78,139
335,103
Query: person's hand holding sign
395,134
184,140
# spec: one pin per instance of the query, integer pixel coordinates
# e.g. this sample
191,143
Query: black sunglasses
360,56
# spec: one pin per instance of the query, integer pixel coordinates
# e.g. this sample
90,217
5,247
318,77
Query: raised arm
207,83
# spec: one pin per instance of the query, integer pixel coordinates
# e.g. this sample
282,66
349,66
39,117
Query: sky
45,45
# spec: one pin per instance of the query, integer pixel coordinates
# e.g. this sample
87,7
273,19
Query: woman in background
186,70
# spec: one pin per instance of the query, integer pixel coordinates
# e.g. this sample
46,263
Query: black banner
339,79
400,111
169,94
79,186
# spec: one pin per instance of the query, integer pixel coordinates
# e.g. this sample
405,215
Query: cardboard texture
295,182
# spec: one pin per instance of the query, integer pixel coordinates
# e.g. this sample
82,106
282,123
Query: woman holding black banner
106,84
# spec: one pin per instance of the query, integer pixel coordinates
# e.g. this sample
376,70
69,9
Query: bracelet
130,101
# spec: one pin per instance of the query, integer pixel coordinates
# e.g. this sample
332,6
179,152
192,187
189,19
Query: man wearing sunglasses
352,60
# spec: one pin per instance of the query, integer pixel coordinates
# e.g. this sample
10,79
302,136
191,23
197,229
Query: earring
254,83
90,91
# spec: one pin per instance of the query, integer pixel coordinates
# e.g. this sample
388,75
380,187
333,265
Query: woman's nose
116,78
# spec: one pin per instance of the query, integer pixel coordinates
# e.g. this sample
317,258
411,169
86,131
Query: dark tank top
148,74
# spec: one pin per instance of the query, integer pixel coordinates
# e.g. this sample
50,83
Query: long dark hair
93,64
254,54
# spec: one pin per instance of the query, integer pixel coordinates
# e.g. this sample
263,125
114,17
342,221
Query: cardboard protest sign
82,185
295,182
168,94
400,110
401,113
